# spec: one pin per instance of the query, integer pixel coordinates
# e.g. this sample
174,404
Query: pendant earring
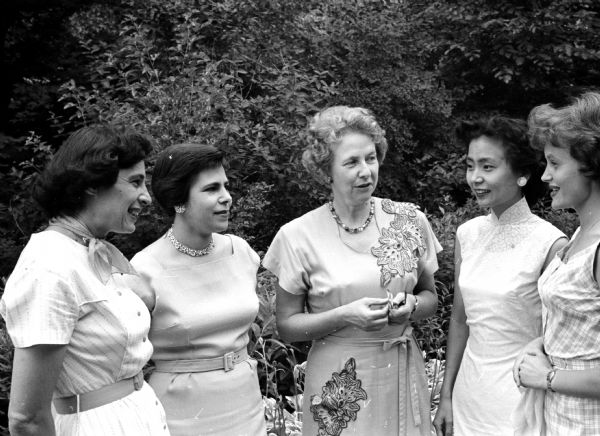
180,208
522,181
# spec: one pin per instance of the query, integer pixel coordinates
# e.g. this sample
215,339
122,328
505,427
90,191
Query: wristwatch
550,379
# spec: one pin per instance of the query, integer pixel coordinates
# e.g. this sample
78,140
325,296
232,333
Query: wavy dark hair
576,127
91,157
176,170
512,134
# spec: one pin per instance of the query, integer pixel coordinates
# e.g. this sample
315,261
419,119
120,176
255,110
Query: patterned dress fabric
571,302
53,296
204,310
502,259
358,382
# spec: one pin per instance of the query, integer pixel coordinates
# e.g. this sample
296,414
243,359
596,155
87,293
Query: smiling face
354,168
207,207
568,187
490,176
116,209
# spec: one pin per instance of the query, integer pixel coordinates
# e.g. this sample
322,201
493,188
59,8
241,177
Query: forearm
577,383
427,306
40,424
308,326
457,341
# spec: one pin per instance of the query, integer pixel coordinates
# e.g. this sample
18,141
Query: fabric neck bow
103,256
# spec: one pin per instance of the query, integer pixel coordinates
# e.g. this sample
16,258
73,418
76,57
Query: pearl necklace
352,229
187,250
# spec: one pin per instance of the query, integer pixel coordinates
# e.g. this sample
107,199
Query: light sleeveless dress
358,382
571,298
502,260
203,311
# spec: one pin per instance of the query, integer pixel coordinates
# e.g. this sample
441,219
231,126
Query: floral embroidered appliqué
400,245
338,403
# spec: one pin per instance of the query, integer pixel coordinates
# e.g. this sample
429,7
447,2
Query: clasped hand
368,313
375,313
400,307
531,366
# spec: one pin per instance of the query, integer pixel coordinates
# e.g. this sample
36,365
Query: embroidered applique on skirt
355,387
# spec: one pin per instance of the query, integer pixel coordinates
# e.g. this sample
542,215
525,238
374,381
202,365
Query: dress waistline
225,362
99,397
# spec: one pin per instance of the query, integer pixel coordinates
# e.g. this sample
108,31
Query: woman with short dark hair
498,260
79,329
564,362
203,301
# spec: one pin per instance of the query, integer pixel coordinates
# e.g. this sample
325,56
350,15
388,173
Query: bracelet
550,379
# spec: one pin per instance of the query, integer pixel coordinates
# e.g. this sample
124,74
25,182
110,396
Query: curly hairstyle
327,128
176,169
576,127
512,134
91,157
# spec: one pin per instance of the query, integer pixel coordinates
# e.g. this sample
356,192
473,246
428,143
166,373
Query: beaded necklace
352,229
187,250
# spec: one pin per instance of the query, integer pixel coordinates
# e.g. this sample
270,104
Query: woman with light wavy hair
565,361
363,267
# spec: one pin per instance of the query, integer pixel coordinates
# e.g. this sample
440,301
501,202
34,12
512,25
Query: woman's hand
401,308
443,422
533,370
532,348
368,313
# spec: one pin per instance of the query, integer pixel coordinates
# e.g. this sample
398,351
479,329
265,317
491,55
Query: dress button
119,293
139,313
144,340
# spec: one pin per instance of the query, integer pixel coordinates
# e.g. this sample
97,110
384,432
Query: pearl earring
180,208
522,181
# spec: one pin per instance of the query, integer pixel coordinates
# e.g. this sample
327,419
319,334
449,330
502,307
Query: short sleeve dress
502,259
358,382
54,297
571,311
204,311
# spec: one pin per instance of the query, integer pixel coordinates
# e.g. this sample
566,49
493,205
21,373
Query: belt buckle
228,362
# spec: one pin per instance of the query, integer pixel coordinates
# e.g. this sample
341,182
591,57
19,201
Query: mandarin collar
515,213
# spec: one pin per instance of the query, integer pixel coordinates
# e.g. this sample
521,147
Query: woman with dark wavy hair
564,362
203,301
498,260
79,329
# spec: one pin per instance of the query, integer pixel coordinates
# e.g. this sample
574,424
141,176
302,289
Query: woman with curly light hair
565,361
363,267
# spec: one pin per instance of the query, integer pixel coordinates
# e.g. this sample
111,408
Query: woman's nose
144,197
546,176
225,196
476,177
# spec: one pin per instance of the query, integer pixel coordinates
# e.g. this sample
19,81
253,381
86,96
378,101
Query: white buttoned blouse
54,297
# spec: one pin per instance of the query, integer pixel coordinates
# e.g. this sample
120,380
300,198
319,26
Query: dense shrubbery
246,75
